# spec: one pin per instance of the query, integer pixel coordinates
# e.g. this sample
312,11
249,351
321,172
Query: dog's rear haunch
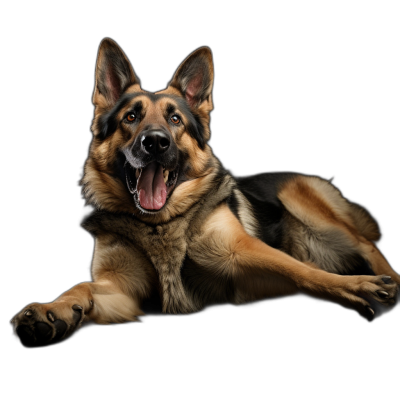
170,221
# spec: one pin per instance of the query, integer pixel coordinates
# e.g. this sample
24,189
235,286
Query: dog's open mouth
150,185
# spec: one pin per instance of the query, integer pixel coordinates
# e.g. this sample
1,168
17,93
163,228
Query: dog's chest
166,247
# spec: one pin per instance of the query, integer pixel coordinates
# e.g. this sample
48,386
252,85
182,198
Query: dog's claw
382,294
387,279
78,314
50,316
28,313
371,313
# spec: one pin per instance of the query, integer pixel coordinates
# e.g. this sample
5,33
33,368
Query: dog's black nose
155,142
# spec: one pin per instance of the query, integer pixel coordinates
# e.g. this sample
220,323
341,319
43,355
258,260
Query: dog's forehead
163,102
149,100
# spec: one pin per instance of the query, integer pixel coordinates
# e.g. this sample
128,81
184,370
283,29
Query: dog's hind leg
330,231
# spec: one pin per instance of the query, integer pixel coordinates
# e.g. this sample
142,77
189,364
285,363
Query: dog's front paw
42,324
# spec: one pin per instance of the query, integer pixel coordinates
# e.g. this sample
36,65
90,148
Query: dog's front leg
252,266
122,278
103,302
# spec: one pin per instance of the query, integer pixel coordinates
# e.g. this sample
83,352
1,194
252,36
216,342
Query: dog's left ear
114,74
195,76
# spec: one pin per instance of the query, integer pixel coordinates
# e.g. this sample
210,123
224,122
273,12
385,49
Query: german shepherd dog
170,221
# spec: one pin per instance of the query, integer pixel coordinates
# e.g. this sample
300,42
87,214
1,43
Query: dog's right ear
114,74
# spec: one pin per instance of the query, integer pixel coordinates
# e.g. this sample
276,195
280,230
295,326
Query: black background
310,93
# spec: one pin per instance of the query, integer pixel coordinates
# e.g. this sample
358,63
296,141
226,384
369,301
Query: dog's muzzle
151,169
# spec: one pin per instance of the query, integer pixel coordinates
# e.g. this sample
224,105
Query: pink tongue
151,187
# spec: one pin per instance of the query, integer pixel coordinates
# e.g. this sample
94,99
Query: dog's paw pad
43,332
61,327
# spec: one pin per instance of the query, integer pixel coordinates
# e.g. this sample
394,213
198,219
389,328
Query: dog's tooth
166,173
138,170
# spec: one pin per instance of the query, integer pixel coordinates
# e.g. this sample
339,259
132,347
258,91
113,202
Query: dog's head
149,154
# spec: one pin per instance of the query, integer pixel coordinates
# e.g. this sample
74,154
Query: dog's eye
130,117
175,119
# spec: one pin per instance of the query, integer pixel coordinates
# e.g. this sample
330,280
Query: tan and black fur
216,238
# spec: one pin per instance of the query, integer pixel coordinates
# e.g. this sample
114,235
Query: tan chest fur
166,247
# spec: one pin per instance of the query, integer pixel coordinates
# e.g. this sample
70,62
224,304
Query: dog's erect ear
194,77
114,73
